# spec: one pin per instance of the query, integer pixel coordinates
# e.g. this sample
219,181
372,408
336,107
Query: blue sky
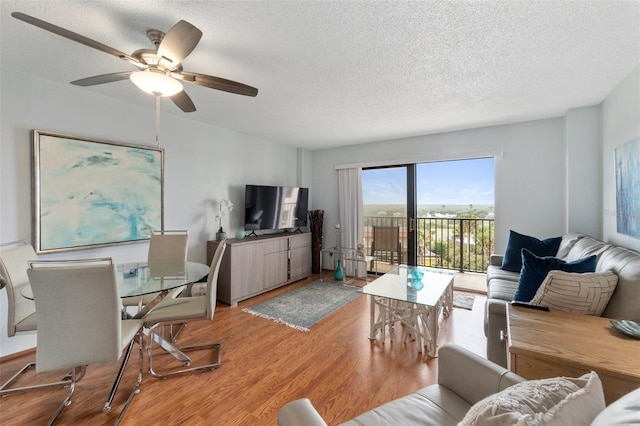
447,182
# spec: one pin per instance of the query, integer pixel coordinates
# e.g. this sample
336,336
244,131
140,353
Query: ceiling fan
160,71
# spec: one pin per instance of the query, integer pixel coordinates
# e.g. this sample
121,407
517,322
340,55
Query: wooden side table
550,344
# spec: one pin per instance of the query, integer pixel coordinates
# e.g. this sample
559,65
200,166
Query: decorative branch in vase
223,205
316,220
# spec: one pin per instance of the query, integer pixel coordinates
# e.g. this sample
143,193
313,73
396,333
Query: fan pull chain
157,121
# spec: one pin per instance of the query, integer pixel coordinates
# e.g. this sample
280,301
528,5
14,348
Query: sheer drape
351,214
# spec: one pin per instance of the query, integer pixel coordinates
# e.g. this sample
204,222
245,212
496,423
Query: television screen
275,207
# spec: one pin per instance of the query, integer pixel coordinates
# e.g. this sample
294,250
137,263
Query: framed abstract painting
627,168
91,193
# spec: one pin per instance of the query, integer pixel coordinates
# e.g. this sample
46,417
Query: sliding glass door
443,213
384,197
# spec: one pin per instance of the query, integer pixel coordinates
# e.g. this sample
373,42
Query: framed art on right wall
627,168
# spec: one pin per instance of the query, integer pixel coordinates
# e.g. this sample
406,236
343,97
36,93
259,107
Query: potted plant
223,205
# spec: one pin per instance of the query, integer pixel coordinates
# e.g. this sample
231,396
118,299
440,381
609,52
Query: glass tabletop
140,278
353,256
416,284
338,250
137,279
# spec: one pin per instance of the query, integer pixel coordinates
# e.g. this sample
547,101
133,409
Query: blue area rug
306,305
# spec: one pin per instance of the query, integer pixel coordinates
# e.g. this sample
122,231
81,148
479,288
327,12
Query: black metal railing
461,244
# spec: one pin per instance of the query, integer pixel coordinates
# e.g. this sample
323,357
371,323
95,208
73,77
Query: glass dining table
140,278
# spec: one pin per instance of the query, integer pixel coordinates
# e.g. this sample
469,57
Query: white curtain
351,212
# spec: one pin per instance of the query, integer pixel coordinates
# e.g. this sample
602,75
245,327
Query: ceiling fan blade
183,101
73,36
220,84
178,43
102,79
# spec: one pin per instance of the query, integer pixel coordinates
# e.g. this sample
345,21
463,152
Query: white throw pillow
586,293
624,411
556,401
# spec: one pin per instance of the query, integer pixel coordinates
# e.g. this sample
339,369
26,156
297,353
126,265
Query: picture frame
627,170
89,193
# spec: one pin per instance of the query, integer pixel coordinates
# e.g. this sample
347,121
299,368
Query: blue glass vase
338,274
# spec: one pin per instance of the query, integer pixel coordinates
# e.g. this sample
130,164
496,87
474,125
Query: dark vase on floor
316,219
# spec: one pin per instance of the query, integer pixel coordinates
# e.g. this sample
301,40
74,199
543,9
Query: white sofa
466,380
502,285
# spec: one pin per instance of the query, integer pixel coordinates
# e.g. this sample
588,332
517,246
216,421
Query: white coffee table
415,303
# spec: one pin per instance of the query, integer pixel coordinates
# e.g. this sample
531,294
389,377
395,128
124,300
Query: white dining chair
185,310
79,321
21,312
166,245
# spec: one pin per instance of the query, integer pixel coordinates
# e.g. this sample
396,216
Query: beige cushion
198,289
624,411
587,293
556,401
300,412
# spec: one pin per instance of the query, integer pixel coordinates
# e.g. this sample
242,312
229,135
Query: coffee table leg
433,329
372,319
385,315
379,323
418,331
448,303
423,328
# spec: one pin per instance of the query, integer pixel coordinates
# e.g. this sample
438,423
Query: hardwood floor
264,366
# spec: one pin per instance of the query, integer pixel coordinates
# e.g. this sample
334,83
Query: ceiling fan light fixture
156,82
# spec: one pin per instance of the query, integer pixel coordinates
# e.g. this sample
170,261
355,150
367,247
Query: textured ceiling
340,73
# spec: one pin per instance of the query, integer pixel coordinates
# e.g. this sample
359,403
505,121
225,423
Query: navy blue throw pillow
535,269
512,260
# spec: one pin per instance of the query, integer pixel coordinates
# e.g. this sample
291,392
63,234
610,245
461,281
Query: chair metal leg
153,338
80,375
168,345
75,376
174,335
136,389
66,381
116,383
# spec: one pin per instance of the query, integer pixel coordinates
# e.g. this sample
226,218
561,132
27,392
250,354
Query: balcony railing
461,244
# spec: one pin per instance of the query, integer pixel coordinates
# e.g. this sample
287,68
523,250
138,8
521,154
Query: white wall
620,124
531,175
584,170
555,175
202,163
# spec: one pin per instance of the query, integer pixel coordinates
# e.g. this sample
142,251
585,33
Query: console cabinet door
300,256
274,253
247,265
241,269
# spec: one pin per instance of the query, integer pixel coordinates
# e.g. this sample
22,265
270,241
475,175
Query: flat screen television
275,207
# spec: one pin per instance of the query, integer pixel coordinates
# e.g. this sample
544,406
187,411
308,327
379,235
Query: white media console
255,265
